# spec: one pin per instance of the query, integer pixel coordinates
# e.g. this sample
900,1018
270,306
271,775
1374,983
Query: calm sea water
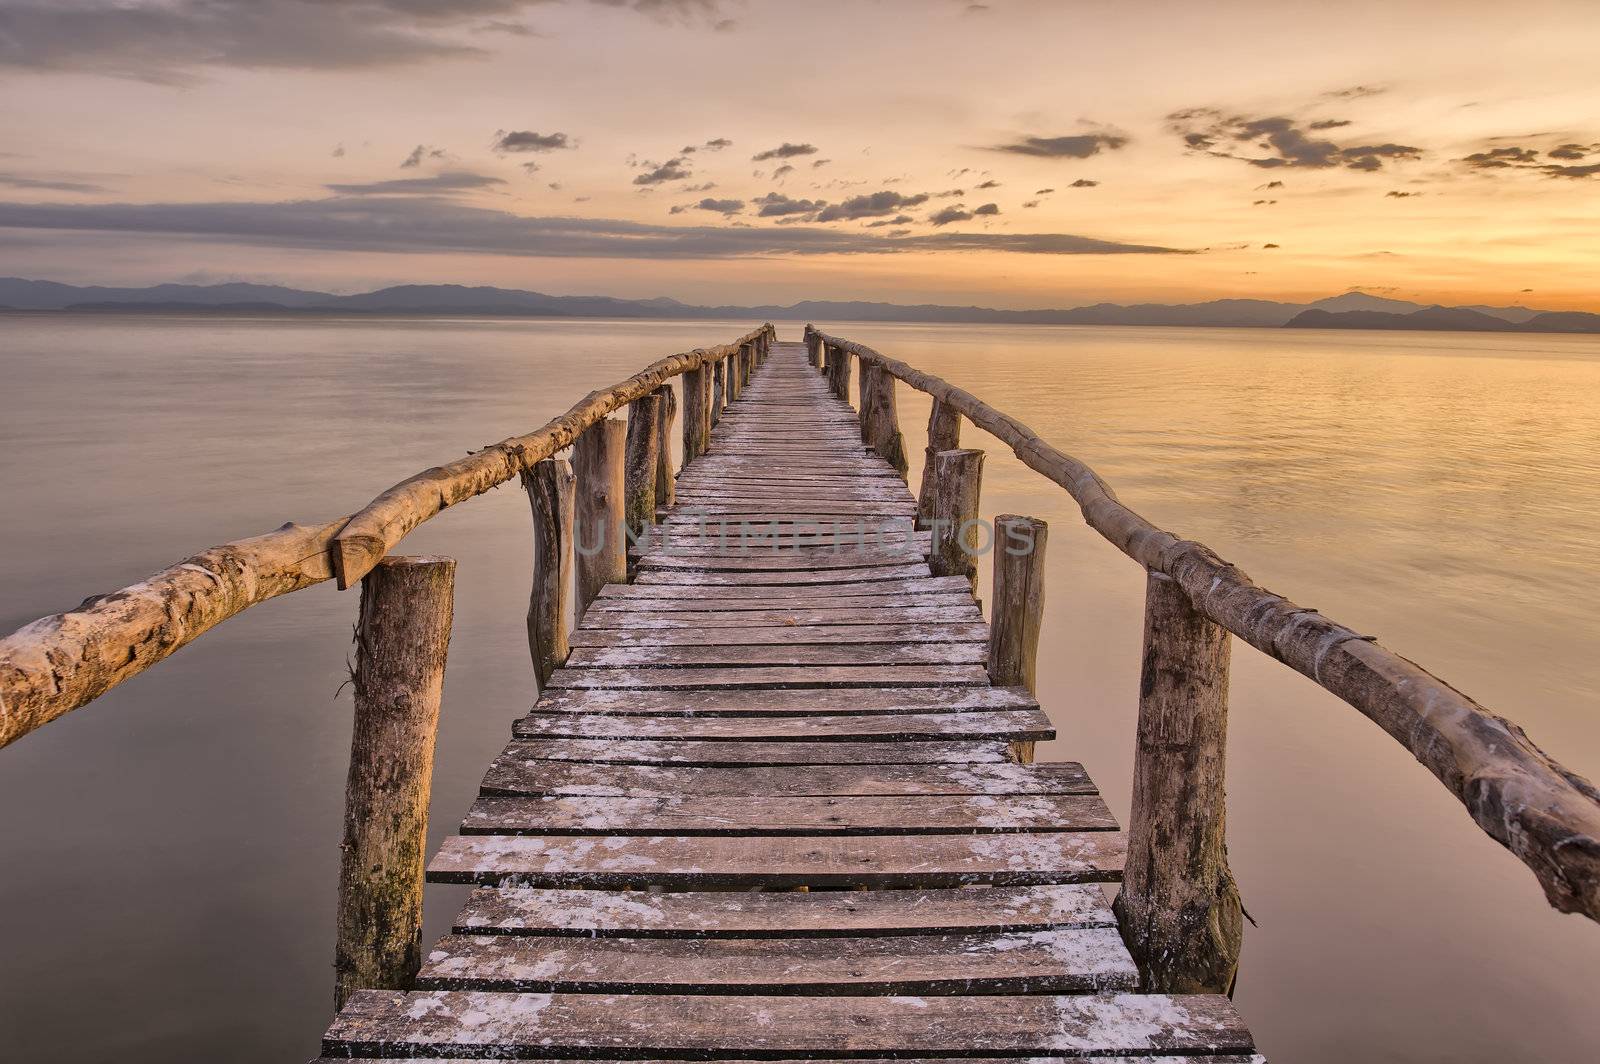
170,853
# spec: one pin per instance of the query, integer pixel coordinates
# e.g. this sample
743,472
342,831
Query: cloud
776,205
950,215
986,209
718,144
1401,195
1518,157
450,181
717,206
1076,146
875,205
899,219
170,41
819,163
1269,246
780,171
47,184
420,153
990,184
784,151
671,170
1082,182
1031,203
1286,142
435,225
1047,191
520,140
1269,185
950,193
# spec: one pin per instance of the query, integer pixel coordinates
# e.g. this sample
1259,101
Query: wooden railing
1179,908
58,663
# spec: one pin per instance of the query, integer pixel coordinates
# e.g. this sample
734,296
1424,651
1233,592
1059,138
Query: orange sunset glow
1014,153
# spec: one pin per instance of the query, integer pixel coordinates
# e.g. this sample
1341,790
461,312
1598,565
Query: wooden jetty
777,798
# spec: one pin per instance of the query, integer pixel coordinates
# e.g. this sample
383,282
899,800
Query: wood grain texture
551,496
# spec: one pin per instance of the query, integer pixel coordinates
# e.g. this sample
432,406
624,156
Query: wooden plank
702,815
688,635
519,771
1055,961
1027,725
775,676
760,559
709,862
720,1027
709,754
715,656
759,703
856,612
924,585
790,914
835,576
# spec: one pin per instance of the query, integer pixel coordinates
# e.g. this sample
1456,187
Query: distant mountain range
1353,310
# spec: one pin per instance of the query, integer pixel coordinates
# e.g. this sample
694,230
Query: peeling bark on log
718,390
944,434
1179,907
599,524
665,478
401,643
959,476
1018,610
1546,814
880,419
550,487
639,476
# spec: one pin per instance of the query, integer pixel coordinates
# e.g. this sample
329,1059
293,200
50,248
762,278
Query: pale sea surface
168,855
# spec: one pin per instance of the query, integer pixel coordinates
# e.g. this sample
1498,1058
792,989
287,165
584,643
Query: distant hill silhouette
1350,310
1447,319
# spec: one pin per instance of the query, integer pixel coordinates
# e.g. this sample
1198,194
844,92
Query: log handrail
1544,813
61,662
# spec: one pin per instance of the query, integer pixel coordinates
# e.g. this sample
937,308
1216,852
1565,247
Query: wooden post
839,373
718,389
733,383
1179,907
944,434
401,639
695,432
958,476
1018,609
549,485
602,549
880,418
639,468
665,482
865,382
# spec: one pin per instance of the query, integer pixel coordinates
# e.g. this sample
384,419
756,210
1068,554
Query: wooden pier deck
772,808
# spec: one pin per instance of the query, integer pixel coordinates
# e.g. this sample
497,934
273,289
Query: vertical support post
733,382
839,373
865,382
881,418
1179,908
401,641
549,485
718,389
1018,609
639,468
695,415
598,529
959,478
944,434
665,483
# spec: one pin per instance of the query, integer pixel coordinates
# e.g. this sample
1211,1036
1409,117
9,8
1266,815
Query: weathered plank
774,676
655,752
861,655
520,771
688,634
788,702
1028,725
789,914
644,1026
708,862
1029,962
924,585
702,815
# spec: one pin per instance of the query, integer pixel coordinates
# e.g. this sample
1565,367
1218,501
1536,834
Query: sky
1014,153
